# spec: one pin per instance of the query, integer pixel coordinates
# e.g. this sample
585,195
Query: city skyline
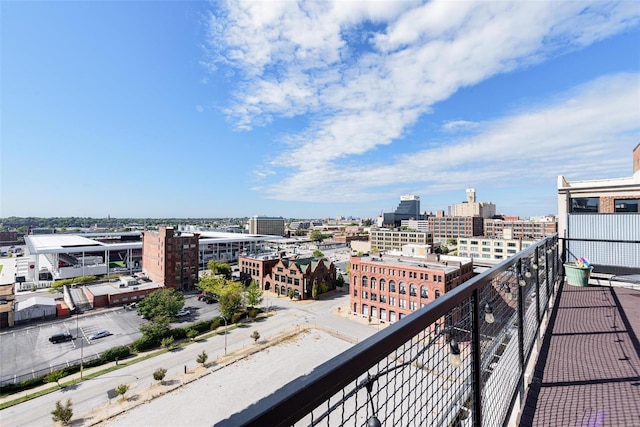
311,110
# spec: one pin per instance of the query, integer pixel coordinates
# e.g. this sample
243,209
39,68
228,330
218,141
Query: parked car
99,334
58,338
183,312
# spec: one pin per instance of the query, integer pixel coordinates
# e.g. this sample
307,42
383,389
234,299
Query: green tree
161,303
159,374
218,267
317,253
157,329
452,242
253,294
121,390
290,293
192,333
340,280
256,336
202,358
375,250
316,236
62,413
314,290
54,377
229,293
167,342
367,222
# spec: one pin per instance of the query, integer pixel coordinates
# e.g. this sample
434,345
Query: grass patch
1,268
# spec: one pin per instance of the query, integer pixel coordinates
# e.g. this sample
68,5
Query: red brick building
389,288
452,227
281,274
170,257
257,268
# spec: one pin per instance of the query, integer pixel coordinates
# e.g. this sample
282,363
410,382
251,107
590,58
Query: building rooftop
419,262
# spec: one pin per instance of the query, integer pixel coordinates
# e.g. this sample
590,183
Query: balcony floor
588,369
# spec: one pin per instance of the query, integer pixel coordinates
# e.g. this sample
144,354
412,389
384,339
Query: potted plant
579,272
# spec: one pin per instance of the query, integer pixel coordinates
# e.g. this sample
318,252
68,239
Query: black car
58,338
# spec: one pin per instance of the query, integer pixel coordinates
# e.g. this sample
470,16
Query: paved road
92,394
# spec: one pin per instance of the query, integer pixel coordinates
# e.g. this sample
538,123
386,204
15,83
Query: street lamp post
225,335
81,341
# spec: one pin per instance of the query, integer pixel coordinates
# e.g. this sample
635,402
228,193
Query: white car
183,312
99,334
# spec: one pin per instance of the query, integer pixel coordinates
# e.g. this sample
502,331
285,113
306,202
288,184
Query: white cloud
457,125
365,72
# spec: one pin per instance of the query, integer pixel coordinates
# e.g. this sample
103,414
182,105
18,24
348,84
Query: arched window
424,292
365,309
413,290
373,283
437,293
354,280
364,281
403,288
392,286
382,283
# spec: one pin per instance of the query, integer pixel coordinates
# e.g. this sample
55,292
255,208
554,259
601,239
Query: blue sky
311,109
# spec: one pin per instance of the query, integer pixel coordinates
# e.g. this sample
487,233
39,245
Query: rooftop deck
588,369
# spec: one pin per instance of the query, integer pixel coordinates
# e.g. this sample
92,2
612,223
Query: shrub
192,333
62,413
203,325
178,333
253,312
167,342
237,317
145,343
255,335
202,358
159,374
122,389
119,352
215,324
54,377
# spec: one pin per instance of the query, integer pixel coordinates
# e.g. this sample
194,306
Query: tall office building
170,257
471,207
409,208
271,226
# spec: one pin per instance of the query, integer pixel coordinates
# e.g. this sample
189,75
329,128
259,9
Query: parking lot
26,349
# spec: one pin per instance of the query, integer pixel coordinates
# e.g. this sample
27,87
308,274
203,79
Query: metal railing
460,360
38,373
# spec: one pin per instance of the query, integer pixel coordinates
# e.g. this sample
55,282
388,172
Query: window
382,283
626,205
374,297
392,300
437,293
511,251
585,204
403,288
511,244
413,306
365,295
383,299
392,286
373,283
424,292
413,290
497,243
364,281
403,303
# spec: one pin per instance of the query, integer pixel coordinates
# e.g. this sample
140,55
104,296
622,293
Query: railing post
520,327
537,262
476,359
